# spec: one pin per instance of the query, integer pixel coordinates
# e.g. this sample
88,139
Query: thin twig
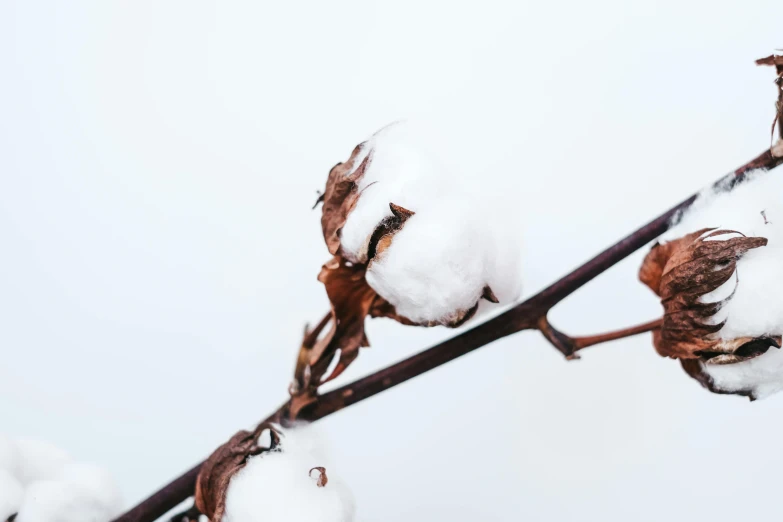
570,345
529,314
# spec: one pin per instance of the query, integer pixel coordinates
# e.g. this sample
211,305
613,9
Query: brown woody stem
568,346
524,316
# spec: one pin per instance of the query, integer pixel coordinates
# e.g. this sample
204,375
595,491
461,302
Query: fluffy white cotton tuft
439,263
8,454
41,483
754,208
80,493
39,460
278,486
11,492
453,246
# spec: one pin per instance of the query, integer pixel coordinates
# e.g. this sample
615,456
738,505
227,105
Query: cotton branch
528,315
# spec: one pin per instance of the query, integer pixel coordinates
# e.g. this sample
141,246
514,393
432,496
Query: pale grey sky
158,161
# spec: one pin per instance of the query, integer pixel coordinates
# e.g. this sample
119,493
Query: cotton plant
286,478
718,277
42,483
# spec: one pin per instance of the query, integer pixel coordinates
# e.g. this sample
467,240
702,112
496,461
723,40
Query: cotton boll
11,492
754,296
39,460
278,486
79,493
432,246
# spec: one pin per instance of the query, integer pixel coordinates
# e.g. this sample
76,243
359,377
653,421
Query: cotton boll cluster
444,248
41,483
753,305
284,485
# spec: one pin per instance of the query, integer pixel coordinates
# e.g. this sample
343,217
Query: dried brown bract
777,62
681,272
216,473
340,197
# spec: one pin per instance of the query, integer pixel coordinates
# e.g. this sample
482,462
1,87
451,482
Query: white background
158,254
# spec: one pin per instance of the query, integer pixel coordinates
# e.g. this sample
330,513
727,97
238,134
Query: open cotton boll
753,306
279,486
39,460
80,493
404,167
11,492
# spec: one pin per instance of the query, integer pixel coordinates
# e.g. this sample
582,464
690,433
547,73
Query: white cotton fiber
756,308
39,460
456,243
80,493
8,454
11,492
278,486
439,263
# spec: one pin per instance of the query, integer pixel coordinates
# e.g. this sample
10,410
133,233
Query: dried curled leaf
340,197
680,273
216,473
352,300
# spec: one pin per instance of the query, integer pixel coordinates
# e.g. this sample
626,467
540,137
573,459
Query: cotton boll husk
439,263
39,460
278,486
11,492
756,307
406,167
79,493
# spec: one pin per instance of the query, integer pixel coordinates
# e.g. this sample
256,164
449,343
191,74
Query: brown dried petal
340,197
681,272
216,473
